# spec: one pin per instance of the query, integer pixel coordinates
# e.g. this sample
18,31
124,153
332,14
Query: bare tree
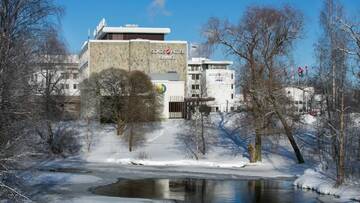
262,40
199,122
50,76
334,69
22,24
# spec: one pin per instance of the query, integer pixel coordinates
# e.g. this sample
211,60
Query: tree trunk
203,136
341,141
358,157
288,132
257,145
290,136
251,152
120,127
131,138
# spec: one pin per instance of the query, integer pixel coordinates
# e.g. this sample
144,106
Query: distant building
63,70
63,73
304,99
208,78
133,48
130,47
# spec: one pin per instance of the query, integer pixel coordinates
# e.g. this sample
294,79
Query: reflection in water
202,190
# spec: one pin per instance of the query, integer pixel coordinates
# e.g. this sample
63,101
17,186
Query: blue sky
185,18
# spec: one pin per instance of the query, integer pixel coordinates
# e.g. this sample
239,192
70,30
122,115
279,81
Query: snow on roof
199,61
136,30
131,29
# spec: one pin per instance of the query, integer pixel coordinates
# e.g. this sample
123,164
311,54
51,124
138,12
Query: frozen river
208,190
115,183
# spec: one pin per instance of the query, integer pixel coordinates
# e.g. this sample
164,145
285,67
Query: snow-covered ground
162,148
161,155
315,180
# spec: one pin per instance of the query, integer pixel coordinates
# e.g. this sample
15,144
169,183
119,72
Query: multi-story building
59,74
305,100
208,78
63,71
130,48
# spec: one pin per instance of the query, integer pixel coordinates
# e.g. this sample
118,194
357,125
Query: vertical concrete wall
139,52
147,56
144,55
106,54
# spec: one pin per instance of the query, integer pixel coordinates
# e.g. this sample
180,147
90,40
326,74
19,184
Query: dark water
207,191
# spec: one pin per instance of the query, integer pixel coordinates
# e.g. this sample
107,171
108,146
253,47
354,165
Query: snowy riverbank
161,148
161,155
319,182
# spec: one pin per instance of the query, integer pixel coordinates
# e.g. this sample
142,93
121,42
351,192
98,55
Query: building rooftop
148,30
102,29
199,61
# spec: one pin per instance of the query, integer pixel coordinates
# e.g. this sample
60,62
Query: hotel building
208,78
131,48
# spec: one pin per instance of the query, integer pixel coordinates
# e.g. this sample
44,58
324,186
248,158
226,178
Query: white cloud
158,7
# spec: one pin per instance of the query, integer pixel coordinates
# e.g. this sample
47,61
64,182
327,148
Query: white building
302,97
63,71
208,78
172,91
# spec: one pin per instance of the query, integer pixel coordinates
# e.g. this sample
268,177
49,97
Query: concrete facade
145,55
149,56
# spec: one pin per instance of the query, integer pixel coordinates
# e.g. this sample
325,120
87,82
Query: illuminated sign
167,53
160,88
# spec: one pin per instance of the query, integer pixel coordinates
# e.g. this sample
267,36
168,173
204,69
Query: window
195,87
62,86
195,95
65,76
75,76
232,86
232,76
195,76
194,68
34,78
66,86
232,96
75,86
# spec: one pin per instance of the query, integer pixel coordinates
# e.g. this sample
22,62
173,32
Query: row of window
197,95
197,76
67,75
63,76
196,87
67,86
194,68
